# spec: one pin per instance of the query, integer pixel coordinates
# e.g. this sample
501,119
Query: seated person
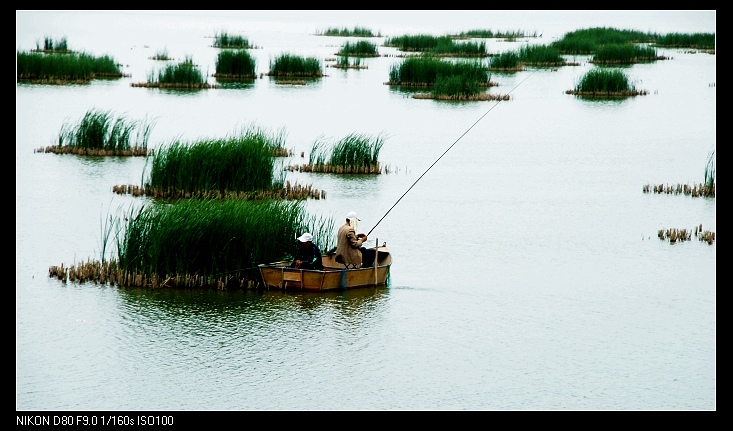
307,256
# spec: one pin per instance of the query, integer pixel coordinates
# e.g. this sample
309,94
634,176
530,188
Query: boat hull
334,276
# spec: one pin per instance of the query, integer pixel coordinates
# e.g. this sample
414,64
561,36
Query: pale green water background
527,273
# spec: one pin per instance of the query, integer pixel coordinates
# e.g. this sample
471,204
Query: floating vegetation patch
705,42
161,55
423,71
198,244
59,46
99,133
695,190
443,46
291,65
627,53
362,48
184,75
288,192
235,64
605,83
346,63
489,34
353,154
680,235
355,31
228,41
463,97
240,167
38,68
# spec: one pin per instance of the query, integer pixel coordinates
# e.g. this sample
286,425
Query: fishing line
444,152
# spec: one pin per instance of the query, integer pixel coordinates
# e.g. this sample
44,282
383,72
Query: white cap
305,237
351,215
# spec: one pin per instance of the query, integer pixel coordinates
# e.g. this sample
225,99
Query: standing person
349,246
307,256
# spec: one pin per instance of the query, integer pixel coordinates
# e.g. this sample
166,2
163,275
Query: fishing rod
444,153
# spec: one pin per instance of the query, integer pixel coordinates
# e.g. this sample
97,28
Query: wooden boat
278,275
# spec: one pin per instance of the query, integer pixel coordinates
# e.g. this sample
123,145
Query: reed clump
605,83
705,189
362,48
225,40
235,65
241,162
184,75
614,53
457,88
540,56
437,45
292,65
199,244
701,41
447,80
355,31
54,68
710,170
489,34
587,41
161,55
356,153
674,235
240,166
506,62
288,191
695,190
422,71
347,63
58,46
99,133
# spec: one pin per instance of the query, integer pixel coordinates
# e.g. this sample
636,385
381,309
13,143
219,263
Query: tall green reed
237,63
362,48
64,67
295,65
243,161
101,130
354,153
710,169
214,237
424,70
226,40
627,53
183,73
604,81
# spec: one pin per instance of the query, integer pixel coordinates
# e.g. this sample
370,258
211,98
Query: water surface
527,273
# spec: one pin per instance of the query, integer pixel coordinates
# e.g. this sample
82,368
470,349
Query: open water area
527,273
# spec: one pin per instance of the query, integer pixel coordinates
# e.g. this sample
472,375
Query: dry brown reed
132,152
674,235
625,93
696,190
288,191
173,85
108,272
480,97
376,169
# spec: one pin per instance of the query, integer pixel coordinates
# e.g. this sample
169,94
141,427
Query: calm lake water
527,273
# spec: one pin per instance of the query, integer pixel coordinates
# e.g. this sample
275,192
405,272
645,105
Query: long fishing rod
444,153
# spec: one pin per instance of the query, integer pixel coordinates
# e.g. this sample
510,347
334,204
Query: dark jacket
310,255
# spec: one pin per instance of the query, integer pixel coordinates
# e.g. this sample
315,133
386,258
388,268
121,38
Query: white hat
305,237
351,215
